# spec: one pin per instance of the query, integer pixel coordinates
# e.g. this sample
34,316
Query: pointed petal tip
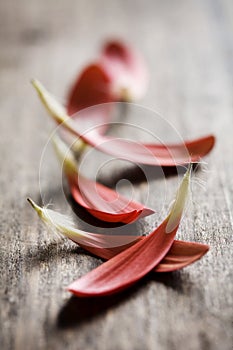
86,292
33,81
203,146
33,204
72,289
76,292
40,89
36,207
36,84
212,139
144,212
177,209
206,248
132,216
149,211
210,142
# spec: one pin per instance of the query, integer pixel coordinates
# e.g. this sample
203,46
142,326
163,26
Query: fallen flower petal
65,226
88,194
118,75
181,254
159,155
128,267
100,201
126,69
91,88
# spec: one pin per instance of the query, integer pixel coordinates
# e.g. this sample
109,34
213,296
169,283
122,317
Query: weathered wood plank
189,49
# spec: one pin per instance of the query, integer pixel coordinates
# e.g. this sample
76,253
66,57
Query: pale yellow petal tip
37,85
33,81
40,89
36,207
53,107
178,207
65,156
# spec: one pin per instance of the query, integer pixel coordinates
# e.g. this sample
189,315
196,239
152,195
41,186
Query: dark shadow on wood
78,310
173,280
137,174
46,253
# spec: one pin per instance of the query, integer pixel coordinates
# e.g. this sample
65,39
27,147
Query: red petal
119,68
181,254
189,150
163,155
126,68
101,201
105,203
91,88
128,267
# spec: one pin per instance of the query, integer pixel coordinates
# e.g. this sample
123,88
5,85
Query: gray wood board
189,49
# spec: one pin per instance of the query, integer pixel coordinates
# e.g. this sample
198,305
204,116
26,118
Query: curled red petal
105,203
101,201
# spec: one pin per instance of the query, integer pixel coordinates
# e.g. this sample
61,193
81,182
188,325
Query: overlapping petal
129,266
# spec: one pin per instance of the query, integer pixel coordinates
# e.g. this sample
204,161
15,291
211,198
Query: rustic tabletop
188,46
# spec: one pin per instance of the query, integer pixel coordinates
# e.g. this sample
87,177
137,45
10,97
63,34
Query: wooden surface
189,49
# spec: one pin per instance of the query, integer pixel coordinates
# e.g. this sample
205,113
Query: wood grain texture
189,49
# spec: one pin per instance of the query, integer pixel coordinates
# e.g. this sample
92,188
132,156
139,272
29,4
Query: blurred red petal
126,68
119,72
158,155
161,155
92,87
